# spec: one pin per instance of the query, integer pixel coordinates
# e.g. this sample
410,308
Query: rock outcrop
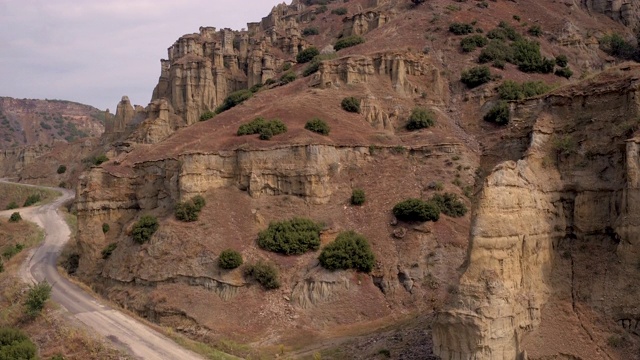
626,12
572,188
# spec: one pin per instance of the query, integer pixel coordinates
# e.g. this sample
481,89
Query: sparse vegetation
511,90
615,45
307,55
12,205
565,72
61,169
348,41
317,125
288,77
189,210
535,30
564,145
98,160
420,118
234,99
562,60
291,237
351,104
37,296
416,210
265,274
266,129
503,32
15,345
106,252
339,11
349,250
208,115
32,199
499,113
229,259
12,250
476,76
472,42
144,228
15,217
310,31
357,197
460,28
449,204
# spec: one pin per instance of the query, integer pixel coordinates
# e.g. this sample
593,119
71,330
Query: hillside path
124,332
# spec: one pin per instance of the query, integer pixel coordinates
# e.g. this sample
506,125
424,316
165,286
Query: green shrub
526,54
460,28
32,199
61,169
265,128
15,345
511,90
58,357
144,228
449,204
350,250
105,228
351,104
265,274
504,31
189,210
229,259
12,205
1,266
472,42
234,99
565,72
499,113
321,9
288,77
416,210
12,251
476,76
348,41
107,251
357,197
535,30
312,68
339,11
317,125
291,237
256,87
37,296
616,45
307,55
207,115
562,60
98,160
420,118
15,217
269,82
310,31
494,51
286,67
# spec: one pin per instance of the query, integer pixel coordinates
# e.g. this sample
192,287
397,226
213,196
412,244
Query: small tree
229,259
350,250
265,274
351,104
15,217
357,197
307,55
476,76
416,210
291,237
317,125
499,114
420,118
144,228
37,296
61,169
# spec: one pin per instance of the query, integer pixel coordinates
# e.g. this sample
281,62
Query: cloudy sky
95,51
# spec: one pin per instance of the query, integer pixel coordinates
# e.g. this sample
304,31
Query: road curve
124,332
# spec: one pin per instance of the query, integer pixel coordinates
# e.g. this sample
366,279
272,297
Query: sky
96,51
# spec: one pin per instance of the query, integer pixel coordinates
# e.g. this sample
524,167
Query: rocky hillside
520,111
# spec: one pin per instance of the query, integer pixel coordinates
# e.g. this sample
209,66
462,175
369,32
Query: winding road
124,332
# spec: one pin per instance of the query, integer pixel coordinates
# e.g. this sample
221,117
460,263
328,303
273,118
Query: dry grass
19,193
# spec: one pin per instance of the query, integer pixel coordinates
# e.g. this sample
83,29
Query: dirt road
124,332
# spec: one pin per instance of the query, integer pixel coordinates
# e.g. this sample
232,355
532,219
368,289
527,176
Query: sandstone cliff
566,198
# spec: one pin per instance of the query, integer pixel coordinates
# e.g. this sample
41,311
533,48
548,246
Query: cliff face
570,192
